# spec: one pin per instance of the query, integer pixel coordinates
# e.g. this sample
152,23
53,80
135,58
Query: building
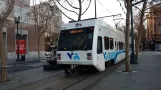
154,28
25,35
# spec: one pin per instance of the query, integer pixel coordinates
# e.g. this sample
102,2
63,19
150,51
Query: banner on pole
22,46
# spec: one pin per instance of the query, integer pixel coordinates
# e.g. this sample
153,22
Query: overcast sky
112,7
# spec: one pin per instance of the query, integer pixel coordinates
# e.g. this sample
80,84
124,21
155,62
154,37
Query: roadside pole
133,56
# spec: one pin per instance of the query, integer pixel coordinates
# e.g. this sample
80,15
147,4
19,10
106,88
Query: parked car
51,58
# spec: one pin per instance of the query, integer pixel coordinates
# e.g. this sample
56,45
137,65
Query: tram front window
77,39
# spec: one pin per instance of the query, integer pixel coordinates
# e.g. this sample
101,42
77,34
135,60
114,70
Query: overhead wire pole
133,57
95,5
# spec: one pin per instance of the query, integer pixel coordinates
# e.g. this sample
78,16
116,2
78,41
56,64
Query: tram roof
87,23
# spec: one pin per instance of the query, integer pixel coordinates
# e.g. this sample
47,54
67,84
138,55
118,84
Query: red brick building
154,27
25,31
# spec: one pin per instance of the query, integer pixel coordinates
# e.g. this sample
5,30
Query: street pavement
23,73
146,75
24,66
26,77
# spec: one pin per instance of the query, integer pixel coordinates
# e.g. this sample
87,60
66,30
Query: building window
159,24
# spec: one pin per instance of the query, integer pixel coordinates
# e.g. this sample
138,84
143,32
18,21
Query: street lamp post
133,56
17,21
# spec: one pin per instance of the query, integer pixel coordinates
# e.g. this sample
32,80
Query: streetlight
133,56
17,21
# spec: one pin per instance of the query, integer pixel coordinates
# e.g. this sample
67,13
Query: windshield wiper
83,41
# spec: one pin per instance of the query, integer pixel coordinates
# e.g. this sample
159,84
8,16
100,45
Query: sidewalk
17,79
25,65
13,62
146,75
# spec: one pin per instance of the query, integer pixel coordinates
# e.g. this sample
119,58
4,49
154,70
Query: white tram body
90,42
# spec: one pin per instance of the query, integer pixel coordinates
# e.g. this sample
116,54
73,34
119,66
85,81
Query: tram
90,43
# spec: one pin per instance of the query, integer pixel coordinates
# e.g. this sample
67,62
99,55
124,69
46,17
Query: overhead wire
121,6
106,10
105,7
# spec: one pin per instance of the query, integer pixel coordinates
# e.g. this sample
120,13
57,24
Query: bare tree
147,4
3,16
140,27
80,11
140,20
127,59
43,14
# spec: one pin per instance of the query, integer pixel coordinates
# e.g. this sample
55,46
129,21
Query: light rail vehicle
89,43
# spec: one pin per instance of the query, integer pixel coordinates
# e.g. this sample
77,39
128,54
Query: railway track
74,82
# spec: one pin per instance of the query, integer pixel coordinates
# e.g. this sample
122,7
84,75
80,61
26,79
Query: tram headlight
58,56
89,56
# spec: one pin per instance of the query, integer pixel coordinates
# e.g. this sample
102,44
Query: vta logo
78,24
106,55
73,56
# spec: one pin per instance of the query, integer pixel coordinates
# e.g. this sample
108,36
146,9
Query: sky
109,7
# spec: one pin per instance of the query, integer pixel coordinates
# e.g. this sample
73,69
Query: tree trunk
127,59
140,28
38,42
3,61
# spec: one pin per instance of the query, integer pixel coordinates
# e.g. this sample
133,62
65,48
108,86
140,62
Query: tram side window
106,43
117,45
111,43
121,45
99,45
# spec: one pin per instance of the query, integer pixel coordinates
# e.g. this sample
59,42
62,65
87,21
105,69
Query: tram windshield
76,39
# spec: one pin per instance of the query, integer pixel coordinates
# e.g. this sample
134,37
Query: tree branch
46,25
149,5
72,5
141,19
82,1
153,6
87,7
65,8
63,12
8,11
137,8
